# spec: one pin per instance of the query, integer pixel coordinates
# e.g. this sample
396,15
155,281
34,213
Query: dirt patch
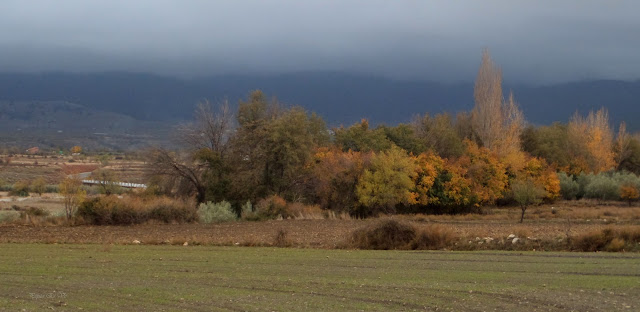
300,233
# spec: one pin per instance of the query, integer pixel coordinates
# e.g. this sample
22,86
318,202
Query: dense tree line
440,163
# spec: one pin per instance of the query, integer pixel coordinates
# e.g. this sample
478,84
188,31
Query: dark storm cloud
538,41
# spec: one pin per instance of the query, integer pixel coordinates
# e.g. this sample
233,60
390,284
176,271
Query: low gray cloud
537,41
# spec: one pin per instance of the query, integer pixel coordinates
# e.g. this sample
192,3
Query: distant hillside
340,98
58,123
61,116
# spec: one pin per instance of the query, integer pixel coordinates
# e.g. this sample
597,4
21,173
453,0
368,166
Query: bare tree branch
211,129
169,165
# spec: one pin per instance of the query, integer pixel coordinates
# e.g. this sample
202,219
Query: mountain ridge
341,98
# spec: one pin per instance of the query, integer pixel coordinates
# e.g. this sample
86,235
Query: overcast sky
537,41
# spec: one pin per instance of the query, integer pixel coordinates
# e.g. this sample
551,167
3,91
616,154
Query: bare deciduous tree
622,144
592,140
106,180
182,173
211,128
73,194
207,143
487,112
497,122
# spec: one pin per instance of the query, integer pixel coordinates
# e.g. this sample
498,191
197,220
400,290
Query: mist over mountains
341,98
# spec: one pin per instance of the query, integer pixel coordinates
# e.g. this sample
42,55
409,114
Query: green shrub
37,212
602,187
247,212
569,188
626,178
20,188
583,181
92,190
8,216
39,186
216,212
52,189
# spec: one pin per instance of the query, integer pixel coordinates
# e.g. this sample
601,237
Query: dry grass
50,202
281,239
301,211
331,215
611,211
434,237
608,239
68,169
14,173
128,210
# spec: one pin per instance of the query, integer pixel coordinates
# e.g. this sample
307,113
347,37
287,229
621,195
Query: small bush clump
569,188
216,212
166,210
616,244
608,240
110,210
281,239
39,186
20,188
102,211
385,235
246,211
272,207
629,193
301,211
9,216
52,189
602,187
36,212
433,237
391,234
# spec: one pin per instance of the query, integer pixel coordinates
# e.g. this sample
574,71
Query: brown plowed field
300,233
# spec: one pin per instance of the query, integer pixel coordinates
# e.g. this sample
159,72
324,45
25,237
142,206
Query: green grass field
155,278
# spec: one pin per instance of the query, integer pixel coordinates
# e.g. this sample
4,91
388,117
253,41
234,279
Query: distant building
33,150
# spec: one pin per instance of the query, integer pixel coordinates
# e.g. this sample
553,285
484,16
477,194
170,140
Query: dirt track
302,233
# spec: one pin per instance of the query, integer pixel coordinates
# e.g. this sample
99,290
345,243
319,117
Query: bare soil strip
300,233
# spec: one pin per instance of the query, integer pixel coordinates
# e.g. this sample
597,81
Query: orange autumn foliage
335,175
591,141
488,176
429,165
542,175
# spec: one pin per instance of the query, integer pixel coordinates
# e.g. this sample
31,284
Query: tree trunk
524,208
201,194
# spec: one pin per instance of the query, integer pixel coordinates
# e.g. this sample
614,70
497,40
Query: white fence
122,184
